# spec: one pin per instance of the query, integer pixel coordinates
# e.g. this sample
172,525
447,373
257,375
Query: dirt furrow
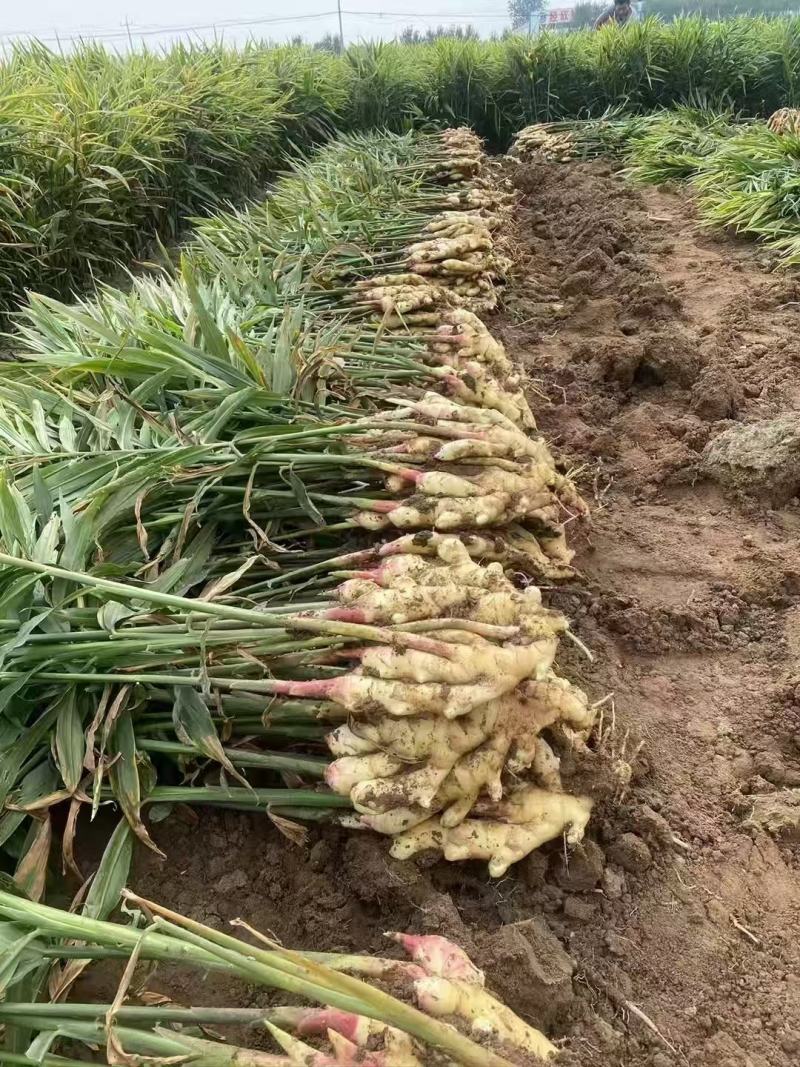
660,338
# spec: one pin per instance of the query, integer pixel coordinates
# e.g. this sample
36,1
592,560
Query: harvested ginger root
443,982
435,745
527,820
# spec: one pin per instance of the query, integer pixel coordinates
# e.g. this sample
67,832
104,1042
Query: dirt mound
762,457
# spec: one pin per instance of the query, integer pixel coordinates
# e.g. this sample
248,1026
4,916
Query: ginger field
410,548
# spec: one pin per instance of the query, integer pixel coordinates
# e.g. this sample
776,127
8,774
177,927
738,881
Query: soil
673,935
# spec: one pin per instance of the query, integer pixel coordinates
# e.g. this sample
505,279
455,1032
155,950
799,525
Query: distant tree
329,43
585,13
669,10
523,13
410,35
461,33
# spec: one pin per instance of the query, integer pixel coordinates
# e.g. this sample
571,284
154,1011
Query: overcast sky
160,22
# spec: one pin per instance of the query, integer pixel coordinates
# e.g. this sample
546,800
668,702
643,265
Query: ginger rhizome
542,142
442,981
454,751
473,468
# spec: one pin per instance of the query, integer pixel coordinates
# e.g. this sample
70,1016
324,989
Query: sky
157,23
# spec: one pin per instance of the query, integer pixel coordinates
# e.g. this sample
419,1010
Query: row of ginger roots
457,751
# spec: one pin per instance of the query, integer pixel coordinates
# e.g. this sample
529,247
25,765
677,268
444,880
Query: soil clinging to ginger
672,936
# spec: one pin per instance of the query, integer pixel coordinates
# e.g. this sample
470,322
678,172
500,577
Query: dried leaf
223,584
38,782
68,840
31,872
293,831
94,726
141,530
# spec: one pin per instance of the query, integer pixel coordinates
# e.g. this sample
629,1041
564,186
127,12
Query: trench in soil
642,338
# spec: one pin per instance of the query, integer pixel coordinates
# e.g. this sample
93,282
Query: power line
434,15
427,15
152,31
131,31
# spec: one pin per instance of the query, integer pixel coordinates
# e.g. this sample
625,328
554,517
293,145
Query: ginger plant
367,1010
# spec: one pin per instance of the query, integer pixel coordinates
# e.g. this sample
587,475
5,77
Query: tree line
525,13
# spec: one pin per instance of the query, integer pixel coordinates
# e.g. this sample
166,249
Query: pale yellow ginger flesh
491,509
447,569
785,120
468,664
531,707
474,748
438,733
439,979
411,741
438,248
465,430
517,550
455,219
537,140
501,841
412,602
446,779
486,1016
440,483
460,245
399,1050
362,695
434,407
546,766
350,770
447,440
530,477
483,393
456,345
384,280
527,488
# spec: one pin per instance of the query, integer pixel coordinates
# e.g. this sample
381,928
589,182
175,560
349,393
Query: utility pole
341,31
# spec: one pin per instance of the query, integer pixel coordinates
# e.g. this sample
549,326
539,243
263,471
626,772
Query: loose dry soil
673,936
